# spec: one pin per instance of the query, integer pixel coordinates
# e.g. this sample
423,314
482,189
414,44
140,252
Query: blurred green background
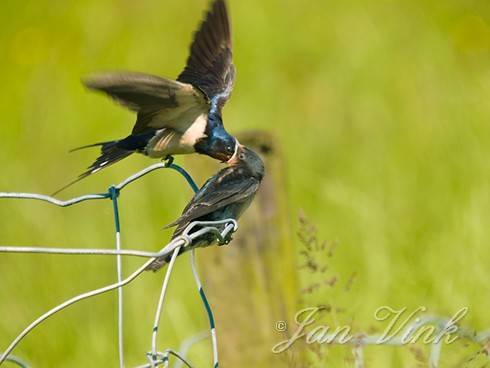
381,111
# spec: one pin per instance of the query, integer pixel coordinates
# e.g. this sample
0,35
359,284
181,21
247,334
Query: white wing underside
190,106
170,141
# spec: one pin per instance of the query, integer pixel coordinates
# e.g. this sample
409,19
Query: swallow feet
169,160
224,240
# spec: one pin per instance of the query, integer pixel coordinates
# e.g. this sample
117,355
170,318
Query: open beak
234,159
223,157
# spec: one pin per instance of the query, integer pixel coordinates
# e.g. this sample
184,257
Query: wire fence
222,230
155,357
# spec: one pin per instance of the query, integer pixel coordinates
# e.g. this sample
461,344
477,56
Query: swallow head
244,156
218,144
223,149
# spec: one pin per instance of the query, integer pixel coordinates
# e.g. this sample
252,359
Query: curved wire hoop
155,357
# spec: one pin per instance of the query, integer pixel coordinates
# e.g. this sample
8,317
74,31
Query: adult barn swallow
225,195
176,117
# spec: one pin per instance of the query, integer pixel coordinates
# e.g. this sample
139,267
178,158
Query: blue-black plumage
225,195
180,116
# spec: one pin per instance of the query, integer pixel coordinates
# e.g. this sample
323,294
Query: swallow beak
234,159
223,157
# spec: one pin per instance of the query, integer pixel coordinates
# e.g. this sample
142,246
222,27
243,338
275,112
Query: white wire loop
182,242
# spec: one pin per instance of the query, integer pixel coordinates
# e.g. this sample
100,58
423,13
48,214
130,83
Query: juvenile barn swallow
176,117
225,195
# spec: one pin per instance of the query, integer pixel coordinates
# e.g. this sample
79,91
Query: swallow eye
241,156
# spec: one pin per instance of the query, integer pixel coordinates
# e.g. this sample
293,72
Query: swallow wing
210,66
159,102
216,194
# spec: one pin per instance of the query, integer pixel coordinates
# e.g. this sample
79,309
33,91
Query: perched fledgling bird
225,195
176,117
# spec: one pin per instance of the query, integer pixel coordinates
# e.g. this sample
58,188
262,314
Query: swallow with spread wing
176,117
225,195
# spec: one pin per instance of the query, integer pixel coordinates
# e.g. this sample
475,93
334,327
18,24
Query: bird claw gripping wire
225,240
168,160
223,237
227,236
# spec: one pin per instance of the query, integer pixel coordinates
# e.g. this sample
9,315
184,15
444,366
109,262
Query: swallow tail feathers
180,116
111,152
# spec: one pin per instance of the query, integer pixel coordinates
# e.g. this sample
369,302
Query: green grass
382,110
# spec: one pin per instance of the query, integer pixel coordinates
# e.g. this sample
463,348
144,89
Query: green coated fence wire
155,357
